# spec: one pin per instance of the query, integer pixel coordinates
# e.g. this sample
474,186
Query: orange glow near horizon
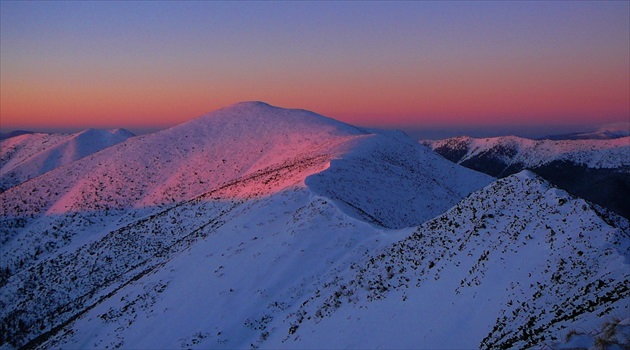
520,97
402,64
491,99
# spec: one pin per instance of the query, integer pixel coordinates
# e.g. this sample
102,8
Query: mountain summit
77,232
255,226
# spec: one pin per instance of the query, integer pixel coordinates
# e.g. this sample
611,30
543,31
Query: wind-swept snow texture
597,170
27,156
219,215
365,182
257,226
514,265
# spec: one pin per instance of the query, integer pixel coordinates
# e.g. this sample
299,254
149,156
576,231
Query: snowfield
513,150
258,226
595,169
27,156
511,266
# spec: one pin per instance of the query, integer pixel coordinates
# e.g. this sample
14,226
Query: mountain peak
253,104
248,106
259,118
99,250
94,132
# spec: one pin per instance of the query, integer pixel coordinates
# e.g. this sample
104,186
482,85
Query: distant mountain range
29,155
15,133
597,170
606,132
258,226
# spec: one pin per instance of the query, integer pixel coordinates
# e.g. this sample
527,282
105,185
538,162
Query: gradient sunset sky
144,65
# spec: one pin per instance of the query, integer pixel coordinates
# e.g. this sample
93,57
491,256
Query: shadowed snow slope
596,170
391,181
514,265
521,152
257,226
27,156
302,189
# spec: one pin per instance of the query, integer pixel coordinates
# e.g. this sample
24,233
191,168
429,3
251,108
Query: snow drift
27,156
257,226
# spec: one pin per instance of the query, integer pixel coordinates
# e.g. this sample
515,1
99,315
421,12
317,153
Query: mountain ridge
605,132
510,243
180,185
246,226
502,277
27,156
596,170
8,135
611,153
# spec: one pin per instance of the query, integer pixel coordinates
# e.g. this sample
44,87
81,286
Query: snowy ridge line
596,170
28,156
270,171
580,279
380,172
605,132
513,150
263,176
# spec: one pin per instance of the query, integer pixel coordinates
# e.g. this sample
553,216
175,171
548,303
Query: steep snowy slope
597,170
76,235
19,148
366,181
517,264
246,269
187,160
27,156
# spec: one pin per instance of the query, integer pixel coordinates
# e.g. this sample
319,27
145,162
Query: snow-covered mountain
597,170
14,133
29,155
514,265
511,152
137,204
257,226
605,132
